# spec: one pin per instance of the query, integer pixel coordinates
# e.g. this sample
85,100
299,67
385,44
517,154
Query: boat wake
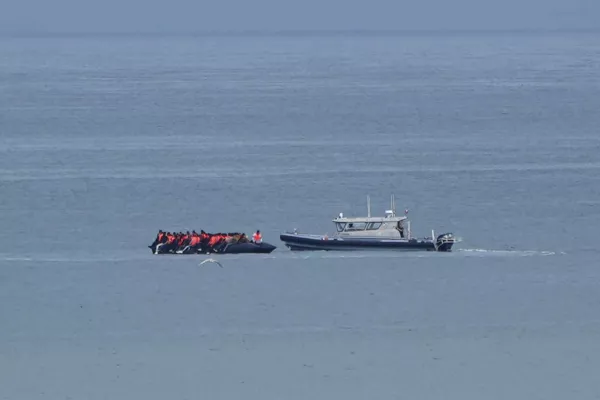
508,253
396,254
67,259
281,255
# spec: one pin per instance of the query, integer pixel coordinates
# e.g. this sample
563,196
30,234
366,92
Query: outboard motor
444,242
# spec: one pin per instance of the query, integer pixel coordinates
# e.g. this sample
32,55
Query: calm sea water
105,140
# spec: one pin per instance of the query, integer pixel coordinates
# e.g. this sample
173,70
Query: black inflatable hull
237,248
242,248
312,242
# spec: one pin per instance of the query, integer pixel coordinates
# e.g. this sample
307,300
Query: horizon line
292,32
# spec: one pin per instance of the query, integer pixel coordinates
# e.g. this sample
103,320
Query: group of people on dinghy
203,242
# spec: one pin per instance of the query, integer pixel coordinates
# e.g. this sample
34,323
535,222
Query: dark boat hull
298,242
236,248
242,248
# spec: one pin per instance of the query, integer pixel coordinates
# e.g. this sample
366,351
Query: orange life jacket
257,237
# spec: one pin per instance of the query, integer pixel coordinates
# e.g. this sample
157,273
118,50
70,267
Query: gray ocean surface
106,139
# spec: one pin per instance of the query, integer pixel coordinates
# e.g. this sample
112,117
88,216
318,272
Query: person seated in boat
159,239
174,243
224,239
257,237
194,242
214,240
188,238
204,239
191,244
179,240
233,238
167,245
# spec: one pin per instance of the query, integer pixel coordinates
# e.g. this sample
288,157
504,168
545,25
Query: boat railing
443,239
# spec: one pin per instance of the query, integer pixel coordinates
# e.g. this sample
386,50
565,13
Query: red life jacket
161,236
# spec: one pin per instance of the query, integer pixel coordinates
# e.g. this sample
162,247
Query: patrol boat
390,232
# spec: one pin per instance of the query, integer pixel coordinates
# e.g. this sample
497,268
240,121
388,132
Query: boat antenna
368,206
393,204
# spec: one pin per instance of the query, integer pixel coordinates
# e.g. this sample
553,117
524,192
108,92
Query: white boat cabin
388,226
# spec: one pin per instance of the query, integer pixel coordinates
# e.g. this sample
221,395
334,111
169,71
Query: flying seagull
211,260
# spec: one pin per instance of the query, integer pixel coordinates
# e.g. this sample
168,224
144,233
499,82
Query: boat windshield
373,226
340,226
356,226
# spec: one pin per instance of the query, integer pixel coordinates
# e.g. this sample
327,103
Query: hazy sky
201,15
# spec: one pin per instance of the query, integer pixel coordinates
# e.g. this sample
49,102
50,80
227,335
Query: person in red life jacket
222,243
183,241
204,238
220,240
191,244
171,240
159,239
257,237
213,241
167,244
194,242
